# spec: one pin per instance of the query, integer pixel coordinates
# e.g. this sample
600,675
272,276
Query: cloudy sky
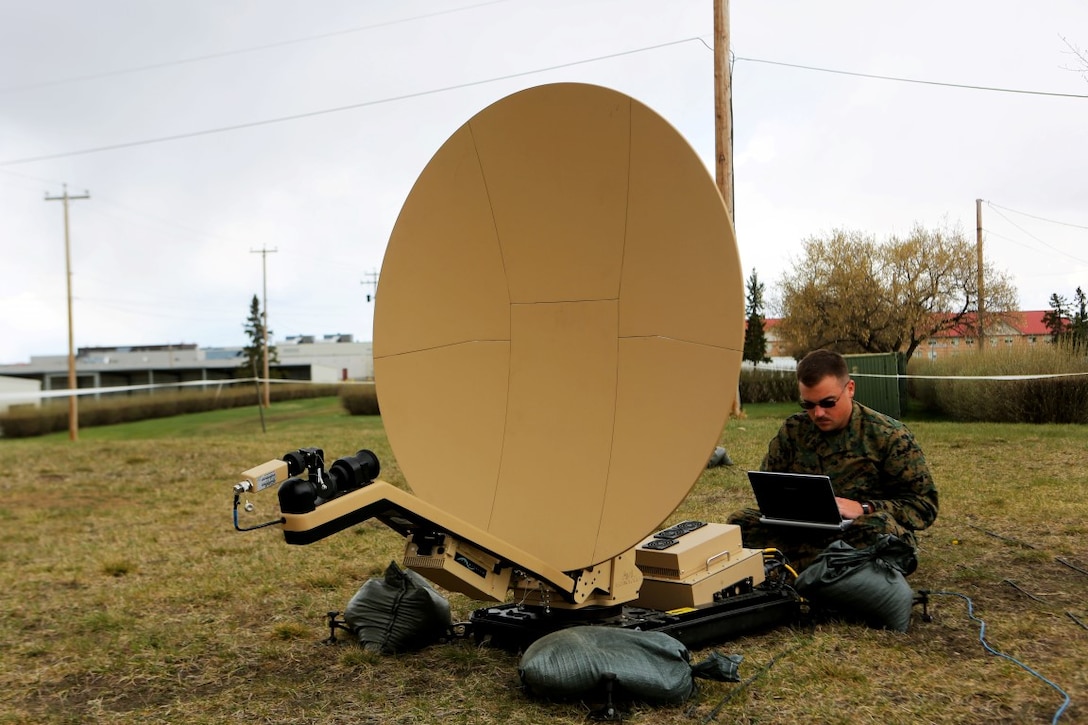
207,130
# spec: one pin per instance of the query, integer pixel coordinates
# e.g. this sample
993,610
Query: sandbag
650,667
868,584
398,613
720,457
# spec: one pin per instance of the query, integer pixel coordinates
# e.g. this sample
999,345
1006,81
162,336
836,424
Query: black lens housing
298,495
304,459
351,472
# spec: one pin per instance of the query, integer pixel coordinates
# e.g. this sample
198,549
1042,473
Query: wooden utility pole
723,102
723,125
372,282
73,397
981,289
264,303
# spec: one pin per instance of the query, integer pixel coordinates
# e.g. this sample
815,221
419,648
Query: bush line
24,421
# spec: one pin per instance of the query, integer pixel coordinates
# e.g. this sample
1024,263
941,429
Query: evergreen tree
253,353
1056,318
755,337
1068,320
1078,325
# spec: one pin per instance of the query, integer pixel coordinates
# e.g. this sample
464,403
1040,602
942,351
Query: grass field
126,596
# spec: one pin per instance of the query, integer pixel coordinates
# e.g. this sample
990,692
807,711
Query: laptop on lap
797,499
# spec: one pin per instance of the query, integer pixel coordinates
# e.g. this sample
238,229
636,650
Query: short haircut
818,364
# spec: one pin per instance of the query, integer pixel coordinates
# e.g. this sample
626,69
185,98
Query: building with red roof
1025,328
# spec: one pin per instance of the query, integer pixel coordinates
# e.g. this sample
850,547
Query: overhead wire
239,51
1057,271
1045,244
340,109
32,178
145,218
965,86
495,79
1033,216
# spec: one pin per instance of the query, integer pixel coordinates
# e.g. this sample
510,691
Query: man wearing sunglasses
878,471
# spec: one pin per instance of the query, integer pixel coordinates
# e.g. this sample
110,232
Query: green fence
876,383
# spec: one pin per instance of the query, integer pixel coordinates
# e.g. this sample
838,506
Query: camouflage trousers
801,546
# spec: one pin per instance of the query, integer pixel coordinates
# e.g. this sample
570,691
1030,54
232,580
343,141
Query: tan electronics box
687,564
687,548
460,567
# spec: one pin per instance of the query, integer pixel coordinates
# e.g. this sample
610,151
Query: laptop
797,499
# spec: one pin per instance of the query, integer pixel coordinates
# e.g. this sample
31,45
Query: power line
495,79
1040,218
32,178
158,220
913,80
238,51
337,109
1048,246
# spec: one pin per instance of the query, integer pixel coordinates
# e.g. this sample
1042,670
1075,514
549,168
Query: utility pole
723,124
981,290
264,303
723,105
372,281
73,405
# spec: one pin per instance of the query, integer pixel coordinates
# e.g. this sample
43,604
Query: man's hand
849,508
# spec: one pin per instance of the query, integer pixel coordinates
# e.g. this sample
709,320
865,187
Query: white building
18,391
328,359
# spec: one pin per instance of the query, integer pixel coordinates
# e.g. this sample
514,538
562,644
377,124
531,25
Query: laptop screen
801,497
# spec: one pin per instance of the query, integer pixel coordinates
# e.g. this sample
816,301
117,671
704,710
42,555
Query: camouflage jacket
873,459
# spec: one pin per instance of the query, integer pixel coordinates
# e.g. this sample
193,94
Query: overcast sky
205,130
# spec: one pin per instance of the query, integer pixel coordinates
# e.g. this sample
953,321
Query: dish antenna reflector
559,332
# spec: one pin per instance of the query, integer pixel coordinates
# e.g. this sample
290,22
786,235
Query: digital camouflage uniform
874,459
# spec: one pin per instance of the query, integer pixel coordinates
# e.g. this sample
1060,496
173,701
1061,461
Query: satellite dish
558,336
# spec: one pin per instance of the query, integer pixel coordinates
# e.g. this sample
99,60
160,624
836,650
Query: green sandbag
869,584
650,667
398,613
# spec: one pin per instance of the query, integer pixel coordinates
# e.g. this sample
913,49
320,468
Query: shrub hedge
360,399
768,386
26,421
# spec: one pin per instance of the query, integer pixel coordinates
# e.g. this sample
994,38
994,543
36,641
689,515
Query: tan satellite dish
559,324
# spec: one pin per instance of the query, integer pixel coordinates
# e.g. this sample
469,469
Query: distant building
327,359
1027,330
18,391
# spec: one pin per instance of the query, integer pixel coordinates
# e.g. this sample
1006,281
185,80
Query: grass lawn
126,595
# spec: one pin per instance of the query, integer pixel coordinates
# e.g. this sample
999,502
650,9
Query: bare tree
1080,56
853,294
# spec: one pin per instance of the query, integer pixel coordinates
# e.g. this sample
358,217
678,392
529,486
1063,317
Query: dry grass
126,595
1040,399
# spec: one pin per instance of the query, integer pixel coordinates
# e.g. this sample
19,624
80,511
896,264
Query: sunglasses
826,403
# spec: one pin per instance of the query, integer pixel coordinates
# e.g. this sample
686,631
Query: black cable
999,536
1023,591
1076,619
275,522
740,687
1069,564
